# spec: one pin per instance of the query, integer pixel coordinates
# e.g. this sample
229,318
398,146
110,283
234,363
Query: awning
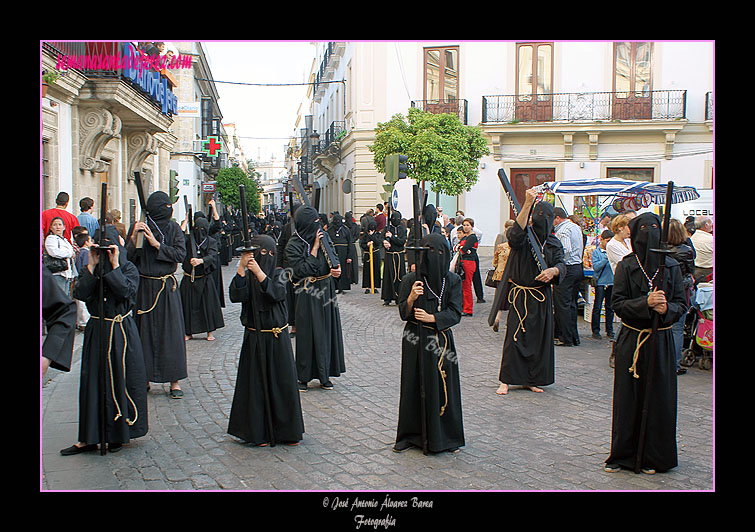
646,192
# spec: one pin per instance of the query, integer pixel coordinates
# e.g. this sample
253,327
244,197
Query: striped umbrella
645,192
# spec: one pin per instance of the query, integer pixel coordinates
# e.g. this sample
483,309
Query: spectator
467,249
618,247
85,218
69,220
118,223
703,242
380,219
61,249
685,256
84,242
500,258
603,282
565,293
453,236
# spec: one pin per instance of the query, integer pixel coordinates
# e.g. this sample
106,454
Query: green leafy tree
227,184
442,151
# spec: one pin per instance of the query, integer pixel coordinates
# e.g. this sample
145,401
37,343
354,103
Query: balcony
585,107
452,106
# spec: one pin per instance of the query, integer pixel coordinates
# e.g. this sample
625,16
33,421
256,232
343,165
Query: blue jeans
677,332
602,293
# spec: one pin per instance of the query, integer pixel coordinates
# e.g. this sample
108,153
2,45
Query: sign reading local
149,81
212,146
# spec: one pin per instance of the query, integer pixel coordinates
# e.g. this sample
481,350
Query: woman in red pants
467,248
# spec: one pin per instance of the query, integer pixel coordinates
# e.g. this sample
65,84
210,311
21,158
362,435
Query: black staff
663,251
537,250
418,259
190,232
102,248
142,214
248,248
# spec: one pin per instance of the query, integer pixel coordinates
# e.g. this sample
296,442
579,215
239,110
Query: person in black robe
371,260
440,311
159,313
216,232
353,271
125,395
260,287
59,315
199,295
528,350
283,262
635,303
394,267
341,237
319,338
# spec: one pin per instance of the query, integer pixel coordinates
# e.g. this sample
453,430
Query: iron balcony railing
451,106
335,132
585,106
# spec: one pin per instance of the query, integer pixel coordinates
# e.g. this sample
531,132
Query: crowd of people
288,287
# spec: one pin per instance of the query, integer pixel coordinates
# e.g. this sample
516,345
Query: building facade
550,111
101,124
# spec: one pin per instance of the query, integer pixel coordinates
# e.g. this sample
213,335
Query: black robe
162,328
629,301
59,314
319,338
352,270
528,351
341,237
394,267
284,263
446,431
126,398
377,243
248,419
216,232
199,294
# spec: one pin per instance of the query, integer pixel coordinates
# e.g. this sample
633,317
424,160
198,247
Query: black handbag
54,264
489,279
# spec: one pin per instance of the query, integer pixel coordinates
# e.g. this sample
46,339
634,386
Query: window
632,80
442,73
534,81
633,174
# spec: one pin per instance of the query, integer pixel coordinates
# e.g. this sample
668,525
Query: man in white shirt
566,292
702,239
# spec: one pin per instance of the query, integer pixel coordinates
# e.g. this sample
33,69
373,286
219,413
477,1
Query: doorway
526,178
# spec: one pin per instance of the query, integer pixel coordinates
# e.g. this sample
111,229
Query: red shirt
69,220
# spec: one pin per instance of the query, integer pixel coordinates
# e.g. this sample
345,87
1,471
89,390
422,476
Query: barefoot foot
503,389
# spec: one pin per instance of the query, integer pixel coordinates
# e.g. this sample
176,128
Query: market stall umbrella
644,193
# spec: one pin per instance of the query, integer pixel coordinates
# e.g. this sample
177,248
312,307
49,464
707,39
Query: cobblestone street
556,440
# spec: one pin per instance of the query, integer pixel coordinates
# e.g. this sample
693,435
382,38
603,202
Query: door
632,80
526,178
534,82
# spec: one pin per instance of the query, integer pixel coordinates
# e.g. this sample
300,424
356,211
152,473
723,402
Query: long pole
372,269
103,256
653,352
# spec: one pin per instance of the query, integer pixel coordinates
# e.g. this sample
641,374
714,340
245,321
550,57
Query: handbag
489,279
54,264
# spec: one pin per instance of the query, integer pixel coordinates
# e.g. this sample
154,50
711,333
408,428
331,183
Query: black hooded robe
159,314
319,338
394,267
352,269
283,262
341,237
629,301
59,314
528,357
199,293
125,379
248,419
445,429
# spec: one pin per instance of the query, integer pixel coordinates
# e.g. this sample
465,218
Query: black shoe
561,343
402,446
596,336
302,386
367,291
481,300
327,385
176,393
386,303
609,335
114,447
681,371
73,449
466,314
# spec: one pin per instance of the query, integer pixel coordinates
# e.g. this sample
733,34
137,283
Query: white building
550,111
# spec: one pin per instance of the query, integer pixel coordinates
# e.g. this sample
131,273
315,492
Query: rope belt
395,264
275,330
119,320
309,280
164,279
442,372
514,292
640,340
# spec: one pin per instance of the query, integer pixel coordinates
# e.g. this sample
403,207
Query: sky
260,112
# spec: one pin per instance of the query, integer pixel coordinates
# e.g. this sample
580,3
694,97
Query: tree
227,184
442,151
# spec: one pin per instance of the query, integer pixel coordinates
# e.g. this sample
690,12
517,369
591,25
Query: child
603,282
84,242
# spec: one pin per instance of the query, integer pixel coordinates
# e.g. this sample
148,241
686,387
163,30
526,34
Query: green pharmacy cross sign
212,146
